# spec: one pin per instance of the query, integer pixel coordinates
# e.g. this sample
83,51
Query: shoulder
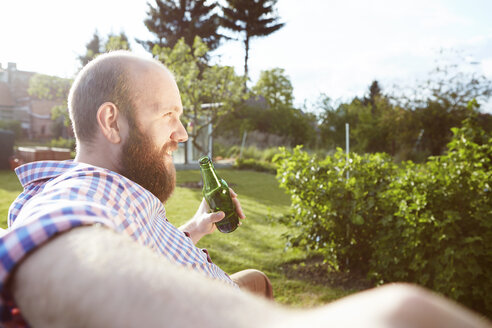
94,183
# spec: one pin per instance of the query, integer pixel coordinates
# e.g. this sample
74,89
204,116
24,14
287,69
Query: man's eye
168,114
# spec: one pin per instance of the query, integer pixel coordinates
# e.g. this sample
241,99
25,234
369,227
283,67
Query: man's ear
107,119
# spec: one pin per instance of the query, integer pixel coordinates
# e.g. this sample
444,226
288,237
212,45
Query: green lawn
258,243
10,188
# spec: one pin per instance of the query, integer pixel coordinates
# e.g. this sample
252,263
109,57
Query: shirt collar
34,171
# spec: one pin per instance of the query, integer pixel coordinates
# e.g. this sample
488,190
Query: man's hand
203,222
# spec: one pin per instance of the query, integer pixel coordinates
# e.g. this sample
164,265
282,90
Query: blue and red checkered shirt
59,196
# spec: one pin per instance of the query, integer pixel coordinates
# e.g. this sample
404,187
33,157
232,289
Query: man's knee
254,281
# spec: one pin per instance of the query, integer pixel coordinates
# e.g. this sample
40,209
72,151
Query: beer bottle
216,193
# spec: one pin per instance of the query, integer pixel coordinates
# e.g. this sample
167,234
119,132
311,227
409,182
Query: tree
333,120
12,125
95,46
288,125
171,20
270,110
52,88
201,84
441,101
374,91
117,42
413,127
253,18
275,87
49,87
451,84
383,127
376,125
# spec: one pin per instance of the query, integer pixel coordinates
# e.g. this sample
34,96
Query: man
126,116
73,255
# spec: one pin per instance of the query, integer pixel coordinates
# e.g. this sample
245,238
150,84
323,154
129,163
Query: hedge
429,224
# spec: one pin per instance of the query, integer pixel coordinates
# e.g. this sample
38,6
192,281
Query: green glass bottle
216,193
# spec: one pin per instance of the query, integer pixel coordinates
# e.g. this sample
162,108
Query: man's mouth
170,148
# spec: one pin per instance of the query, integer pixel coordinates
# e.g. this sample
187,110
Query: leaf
357,219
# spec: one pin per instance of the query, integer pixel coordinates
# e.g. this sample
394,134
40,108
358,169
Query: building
16,104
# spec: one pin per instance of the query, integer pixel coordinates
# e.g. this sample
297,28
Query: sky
331,47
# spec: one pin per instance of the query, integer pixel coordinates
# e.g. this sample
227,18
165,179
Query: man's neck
105,158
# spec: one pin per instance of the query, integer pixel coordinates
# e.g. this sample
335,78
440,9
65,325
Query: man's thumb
217,216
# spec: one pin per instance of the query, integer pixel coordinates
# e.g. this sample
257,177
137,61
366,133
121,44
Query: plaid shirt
59,196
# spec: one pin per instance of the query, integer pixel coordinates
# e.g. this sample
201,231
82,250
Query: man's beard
144,164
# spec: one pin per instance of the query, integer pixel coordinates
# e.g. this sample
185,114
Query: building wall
41,123
16,104
7,102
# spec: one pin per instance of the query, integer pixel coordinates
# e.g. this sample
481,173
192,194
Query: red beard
148,166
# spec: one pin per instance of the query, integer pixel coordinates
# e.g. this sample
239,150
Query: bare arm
92,277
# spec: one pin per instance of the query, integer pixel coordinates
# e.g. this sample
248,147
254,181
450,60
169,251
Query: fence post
347,150
245,133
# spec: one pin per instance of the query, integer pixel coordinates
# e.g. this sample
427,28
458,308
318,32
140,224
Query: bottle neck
210,178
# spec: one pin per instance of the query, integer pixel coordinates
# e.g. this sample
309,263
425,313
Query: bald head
112,77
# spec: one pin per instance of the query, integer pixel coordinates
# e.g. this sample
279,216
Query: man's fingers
237,204
233,194
239,209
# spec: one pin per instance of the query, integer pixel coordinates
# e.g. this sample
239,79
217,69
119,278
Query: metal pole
347,146
245,133
210,141
189,144
347,150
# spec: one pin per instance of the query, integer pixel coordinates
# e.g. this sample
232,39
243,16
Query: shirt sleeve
40,220
204,250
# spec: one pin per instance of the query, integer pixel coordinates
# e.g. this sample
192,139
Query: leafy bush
63,143
429,224
252,164
442,223
337,217
12,125
250,152
268,154
219,150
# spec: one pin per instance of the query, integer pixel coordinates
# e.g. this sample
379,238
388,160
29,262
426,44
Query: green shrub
429,223
440,233
233,152
250,152
219,150
252,164
63,143
268,154
12,125
338,217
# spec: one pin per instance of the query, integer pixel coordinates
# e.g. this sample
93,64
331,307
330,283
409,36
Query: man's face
144,163
154,133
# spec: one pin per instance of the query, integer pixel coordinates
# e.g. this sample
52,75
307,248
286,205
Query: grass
258,243
10,188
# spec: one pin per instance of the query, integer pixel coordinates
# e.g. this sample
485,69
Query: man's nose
180,135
